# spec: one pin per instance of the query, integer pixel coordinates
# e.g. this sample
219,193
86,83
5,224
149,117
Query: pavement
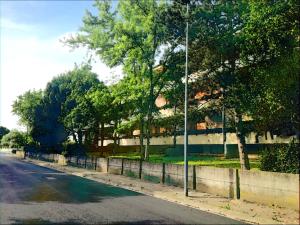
39,194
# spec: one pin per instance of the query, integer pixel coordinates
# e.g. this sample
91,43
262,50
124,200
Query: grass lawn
202,160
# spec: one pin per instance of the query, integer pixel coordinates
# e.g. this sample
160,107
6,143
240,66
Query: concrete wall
221,181
115,166
81,161
72,160
270,188
255,186
20,154
152,172
174,175
102,165
62,160
131,168
206,139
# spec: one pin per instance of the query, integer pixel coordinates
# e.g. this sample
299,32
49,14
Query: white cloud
9,24
28,62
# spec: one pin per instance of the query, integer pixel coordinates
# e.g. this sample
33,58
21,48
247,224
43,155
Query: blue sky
31,50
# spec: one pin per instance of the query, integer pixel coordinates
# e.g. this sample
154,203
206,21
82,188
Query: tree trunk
174,130
96,136
149,115
80,137
102,134
244,160
142,137
75,138
115,138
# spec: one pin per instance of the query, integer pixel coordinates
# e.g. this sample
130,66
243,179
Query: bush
14,139
281,158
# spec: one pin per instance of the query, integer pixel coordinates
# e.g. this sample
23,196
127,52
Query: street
30,194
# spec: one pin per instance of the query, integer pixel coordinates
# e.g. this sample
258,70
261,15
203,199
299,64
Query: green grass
201,160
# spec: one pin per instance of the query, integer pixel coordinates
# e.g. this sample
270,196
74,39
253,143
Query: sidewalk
235,209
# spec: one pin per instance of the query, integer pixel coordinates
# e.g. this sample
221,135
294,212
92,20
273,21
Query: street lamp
186,108
224,124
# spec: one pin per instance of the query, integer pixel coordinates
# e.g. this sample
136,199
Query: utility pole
186,107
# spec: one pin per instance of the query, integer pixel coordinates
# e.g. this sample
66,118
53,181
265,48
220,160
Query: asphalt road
30,194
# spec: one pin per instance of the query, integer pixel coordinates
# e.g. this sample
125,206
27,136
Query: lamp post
186,108
224,123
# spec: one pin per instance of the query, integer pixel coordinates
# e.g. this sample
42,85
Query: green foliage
15,139
271,38
132,35
62,109
26,107
125,127
281,158
78,113
3,131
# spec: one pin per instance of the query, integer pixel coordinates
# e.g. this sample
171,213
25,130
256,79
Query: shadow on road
72,189
75,222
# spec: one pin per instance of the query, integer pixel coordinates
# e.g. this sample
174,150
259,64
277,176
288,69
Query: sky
32,52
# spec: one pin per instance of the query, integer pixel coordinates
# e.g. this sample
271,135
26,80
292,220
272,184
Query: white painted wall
205,139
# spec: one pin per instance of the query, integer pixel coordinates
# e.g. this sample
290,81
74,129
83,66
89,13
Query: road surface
30,194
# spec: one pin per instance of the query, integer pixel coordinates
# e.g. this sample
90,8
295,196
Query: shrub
14,139
281,158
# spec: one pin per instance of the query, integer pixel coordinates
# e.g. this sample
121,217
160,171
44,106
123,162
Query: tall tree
214,53
61,110
101,100
77,113
271,50
239,47
132,34
131,94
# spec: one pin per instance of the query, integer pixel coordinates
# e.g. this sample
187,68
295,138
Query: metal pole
186,109
224,131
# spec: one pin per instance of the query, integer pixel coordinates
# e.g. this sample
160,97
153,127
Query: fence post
237,180
194,177
96,159
107,164
163,173
140,169
122,166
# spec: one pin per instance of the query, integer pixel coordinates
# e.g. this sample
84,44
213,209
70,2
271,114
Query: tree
61,110
77,112
131,97
214,42
101,100
25,106
272,36
14,139
240,47
132,36
3,131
